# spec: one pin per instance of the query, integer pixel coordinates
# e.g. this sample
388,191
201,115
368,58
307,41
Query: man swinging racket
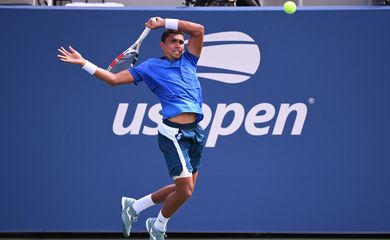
173,79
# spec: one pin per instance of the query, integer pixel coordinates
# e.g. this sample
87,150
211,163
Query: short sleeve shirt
174,82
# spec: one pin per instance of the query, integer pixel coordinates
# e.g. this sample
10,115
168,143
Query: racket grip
145,32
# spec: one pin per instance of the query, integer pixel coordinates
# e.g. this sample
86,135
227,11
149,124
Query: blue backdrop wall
296,116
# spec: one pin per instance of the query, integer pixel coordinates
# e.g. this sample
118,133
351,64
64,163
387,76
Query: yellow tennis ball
289,7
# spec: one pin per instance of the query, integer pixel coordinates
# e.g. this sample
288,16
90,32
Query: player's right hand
155,23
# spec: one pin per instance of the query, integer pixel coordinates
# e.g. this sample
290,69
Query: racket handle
143,35
145,32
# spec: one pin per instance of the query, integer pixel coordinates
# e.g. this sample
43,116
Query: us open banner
296,120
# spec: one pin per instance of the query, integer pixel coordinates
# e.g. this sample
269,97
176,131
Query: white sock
161,223
143,203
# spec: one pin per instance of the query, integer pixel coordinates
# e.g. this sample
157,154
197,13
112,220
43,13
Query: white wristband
90,67
171,23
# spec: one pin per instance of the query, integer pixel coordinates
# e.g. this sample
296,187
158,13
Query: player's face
173,46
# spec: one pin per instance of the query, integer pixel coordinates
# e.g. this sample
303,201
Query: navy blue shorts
182,146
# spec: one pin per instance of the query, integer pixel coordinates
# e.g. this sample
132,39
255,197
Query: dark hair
169,31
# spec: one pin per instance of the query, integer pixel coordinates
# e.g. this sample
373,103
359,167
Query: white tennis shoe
128,215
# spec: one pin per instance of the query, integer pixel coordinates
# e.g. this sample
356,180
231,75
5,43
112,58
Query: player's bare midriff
184,118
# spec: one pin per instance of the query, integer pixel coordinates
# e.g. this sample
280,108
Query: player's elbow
123,77
198,31
113,81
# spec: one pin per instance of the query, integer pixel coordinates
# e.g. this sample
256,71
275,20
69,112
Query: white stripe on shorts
171,133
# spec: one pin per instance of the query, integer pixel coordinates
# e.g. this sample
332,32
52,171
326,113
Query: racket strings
126,59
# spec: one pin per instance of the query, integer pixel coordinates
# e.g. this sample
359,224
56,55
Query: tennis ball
289,7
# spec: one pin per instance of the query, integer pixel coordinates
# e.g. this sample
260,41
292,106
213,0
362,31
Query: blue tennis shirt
175,84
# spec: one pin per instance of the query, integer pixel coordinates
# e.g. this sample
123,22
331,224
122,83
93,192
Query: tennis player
173,79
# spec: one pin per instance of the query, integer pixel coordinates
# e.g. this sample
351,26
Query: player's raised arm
195,30
74,57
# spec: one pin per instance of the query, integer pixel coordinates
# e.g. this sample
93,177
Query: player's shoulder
189,54
190,57
147,63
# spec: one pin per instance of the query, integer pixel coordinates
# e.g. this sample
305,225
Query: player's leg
175,143
160,195
175,151
184,189
131,208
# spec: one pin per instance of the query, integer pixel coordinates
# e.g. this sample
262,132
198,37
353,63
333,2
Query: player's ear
162,45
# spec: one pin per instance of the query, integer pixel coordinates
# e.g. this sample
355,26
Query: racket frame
134,48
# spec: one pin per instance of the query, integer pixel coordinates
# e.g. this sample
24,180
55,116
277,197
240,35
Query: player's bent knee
185,192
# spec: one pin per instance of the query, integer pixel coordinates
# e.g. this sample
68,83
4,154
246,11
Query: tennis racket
129,57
